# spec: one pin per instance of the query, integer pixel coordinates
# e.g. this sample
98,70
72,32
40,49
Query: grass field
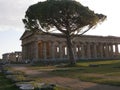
103,72
6,84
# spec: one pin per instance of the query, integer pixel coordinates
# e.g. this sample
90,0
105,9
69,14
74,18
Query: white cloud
10,28
12,12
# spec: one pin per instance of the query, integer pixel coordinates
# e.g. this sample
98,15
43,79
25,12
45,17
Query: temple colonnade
46,47
55,50
82,50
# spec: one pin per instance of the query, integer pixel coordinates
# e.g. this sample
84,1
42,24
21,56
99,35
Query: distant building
41,47
12,57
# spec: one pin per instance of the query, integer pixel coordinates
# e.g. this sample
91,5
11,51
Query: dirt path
75,84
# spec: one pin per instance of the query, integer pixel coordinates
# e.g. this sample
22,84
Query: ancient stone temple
12,57
36,46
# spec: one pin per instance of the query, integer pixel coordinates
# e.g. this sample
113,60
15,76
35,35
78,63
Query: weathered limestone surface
36,46
25,86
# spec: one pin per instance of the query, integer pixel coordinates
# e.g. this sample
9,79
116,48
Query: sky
12,12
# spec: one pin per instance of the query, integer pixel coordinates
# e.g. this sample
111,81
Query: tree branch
86,30
55,23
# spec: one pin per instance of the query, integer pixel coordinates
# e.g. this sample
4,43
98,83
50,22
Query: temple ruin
37,46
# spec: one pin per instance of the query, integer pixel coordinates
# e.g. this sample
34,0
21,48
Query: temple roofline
29,33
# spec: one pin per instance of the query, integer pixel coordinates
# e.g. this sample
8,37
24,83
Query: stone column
111,50
82,50
101,50
116,49
44,50
88,50
78,52
79,49
61,51
75,51
26,54
107,50
50,50
95,50
23,52
53,50
36,50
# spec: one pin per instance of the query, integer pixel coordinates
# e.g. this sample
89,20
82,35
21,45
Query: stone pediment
26,34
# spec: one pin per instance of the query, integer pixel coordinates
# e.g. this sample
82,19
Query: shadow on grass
6,84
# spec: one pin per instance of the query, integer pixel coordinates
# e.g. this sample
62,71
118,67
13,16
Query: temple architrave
36,46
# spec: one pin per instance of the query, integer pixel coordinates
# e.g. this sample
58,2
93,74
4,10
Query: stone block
25,86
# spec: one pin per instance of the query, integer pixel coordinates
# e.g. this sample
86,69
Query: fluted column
44,50
107,50
116,49
101,50
61,51
79,51
95,50
53,50
50,50
36,50
82,50
75,50
111,50
88,50
23,52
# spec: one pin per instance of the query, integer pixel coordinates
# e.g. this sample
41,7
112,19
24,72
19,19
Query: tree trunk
70,51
